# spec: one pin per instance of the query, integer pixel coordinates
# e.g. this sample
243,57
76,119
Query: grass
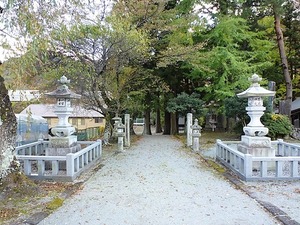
208,138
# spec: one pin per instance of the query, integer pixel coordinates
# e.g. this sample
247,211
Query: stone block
61,151
256,142
62,142
256,151
257,147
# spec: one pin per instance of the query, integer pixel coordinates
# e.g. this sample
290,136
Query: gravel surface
284,195
158,182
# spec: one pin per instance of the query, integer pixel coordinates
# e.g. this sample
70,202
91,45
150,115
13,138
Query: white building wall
23,95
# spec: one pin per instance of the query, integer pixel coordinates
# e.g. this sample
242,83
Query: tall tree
29,23
277,4
8,132
231,54
103,53
255,11
169,26
8,129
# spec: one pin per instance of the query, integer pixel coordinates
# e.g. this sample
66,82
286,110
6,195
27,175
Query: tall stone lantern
254,141
62,132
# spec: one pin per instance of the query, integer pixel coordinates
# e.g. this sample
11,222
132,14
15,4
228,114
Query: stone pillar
127,130
272,86
196,133
189,123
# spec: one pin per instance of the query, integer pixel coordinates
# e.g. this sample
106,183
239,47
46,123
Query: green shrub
279,125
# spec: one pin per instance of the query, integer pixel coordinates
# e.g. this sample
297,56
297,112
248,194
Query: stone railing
34,148
66,168
287,149
285,166
232,158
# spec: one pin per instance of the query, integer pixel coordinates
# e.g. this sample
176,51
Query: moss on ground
215,166
54,204
20,197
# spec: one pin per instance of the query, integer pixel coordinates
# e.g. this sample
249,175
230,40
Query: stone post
127,130
120,134
189,123
272,86
196,133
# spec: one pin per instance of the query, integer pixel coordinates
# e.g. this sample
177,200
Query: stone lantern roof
255,90
63,91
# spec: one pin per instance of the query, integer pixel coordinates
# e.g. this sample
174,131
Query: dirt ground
21,198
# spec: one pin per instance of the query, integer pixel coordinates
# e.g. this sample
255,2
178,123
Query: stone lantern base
62,142
61,146
257,147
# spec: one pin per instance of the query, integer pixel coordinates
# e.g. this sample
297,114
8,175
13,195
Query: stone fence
285,166
64,168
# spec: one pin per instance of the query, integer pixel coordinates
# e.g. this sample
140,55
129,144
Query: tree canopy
119,53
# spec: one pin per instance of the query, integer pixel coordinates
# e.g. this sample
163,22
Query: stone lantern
120,134
116,120
62,132
254,141
196,133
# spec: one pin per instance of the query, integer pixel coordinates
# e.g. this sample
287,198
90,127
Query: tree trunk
108,129
147,129
284,64
174,124
8,132
167,125
158,128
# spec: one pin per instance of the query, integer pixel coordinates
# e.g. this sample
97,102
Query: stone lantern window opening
61,102
68,102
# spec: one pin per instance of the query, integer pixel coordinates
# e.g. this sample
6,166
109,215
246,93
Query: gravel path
158,182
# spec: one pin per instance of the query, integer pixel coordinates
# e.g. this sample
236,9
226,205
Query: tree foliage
104,53
232,53
146,52
236,108
185,103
